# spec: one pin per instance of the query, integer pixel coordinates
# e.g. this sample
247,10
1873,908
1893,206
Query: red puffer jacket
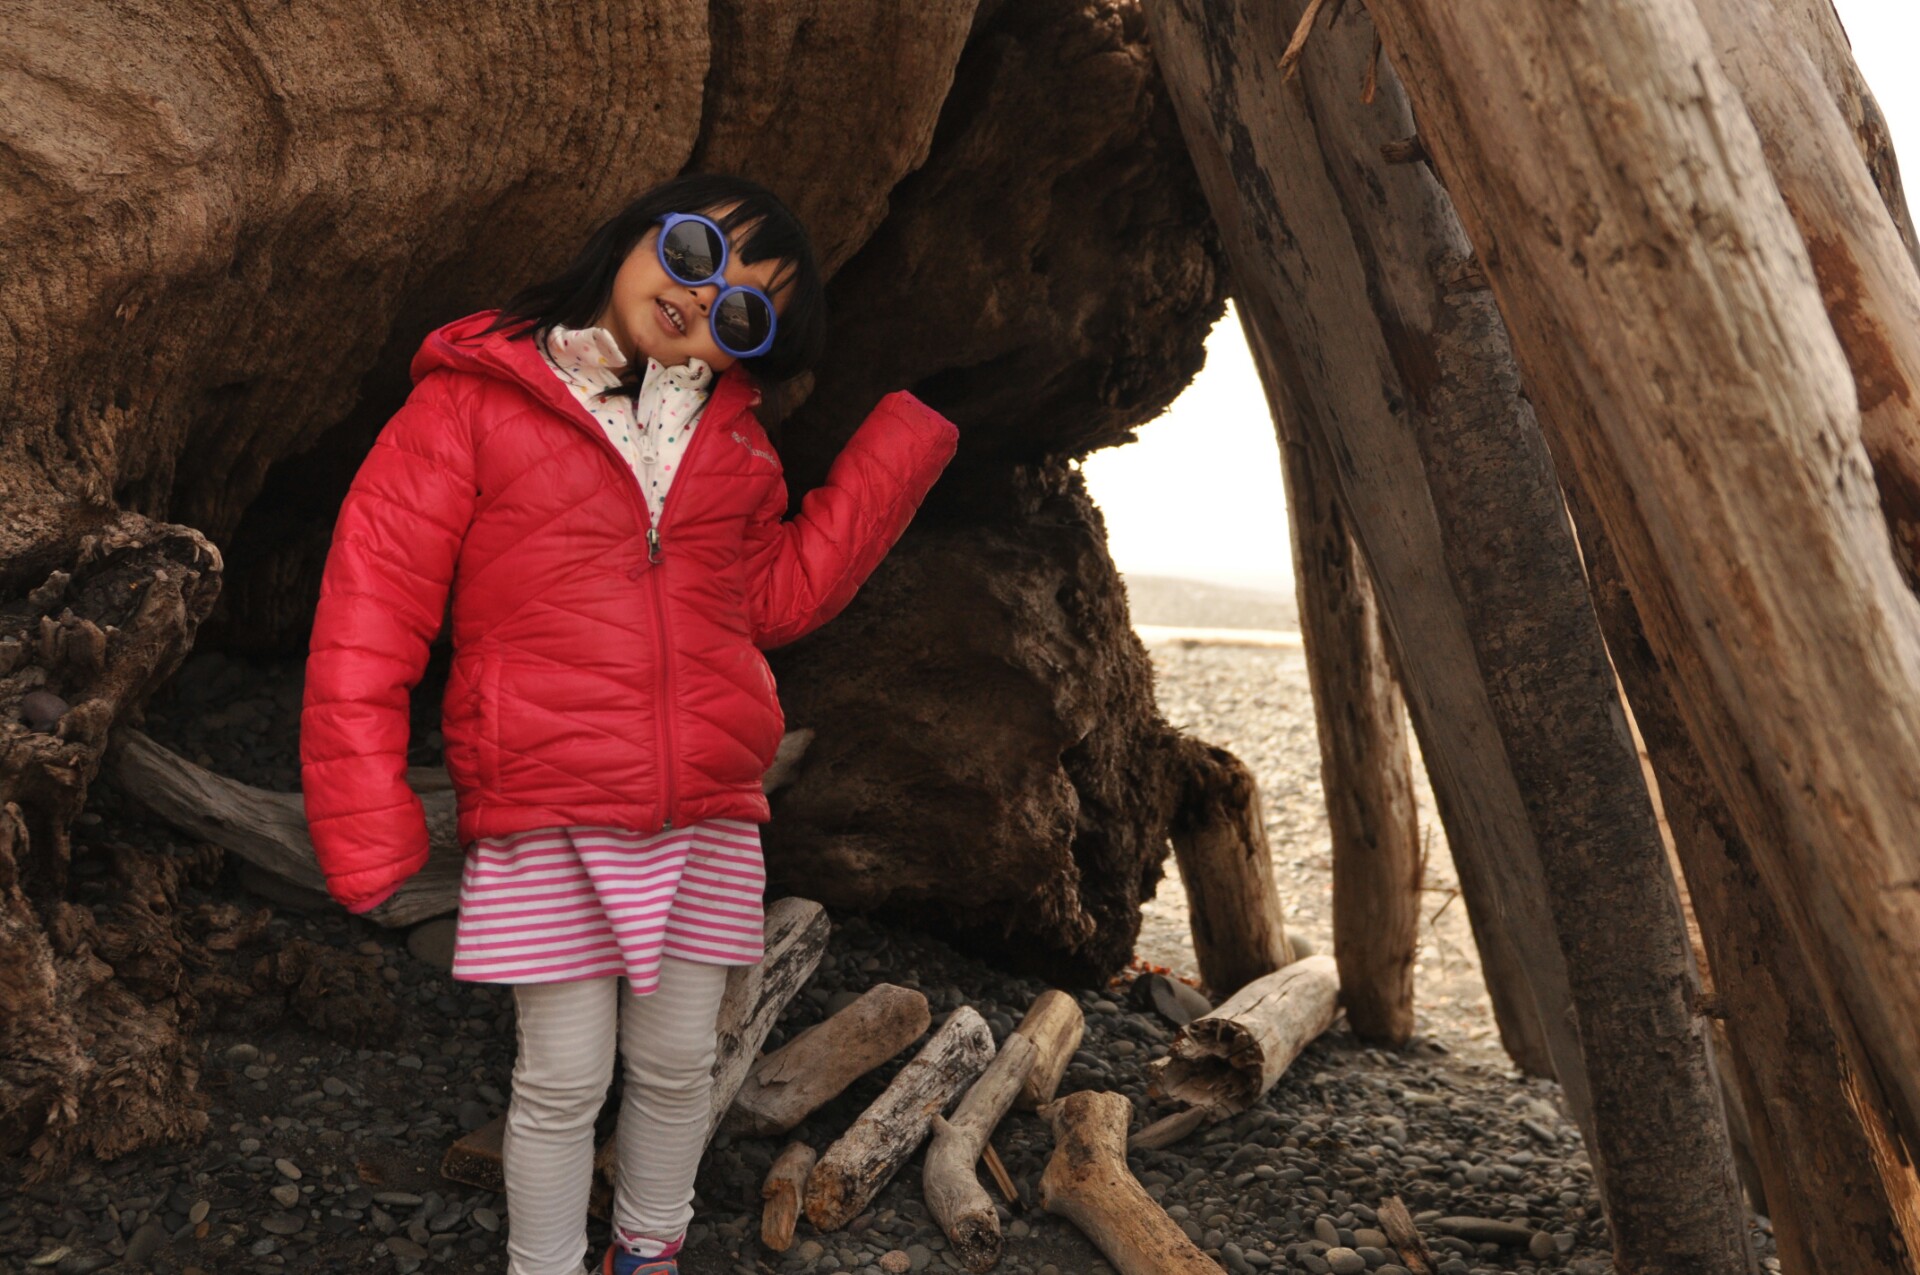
604,671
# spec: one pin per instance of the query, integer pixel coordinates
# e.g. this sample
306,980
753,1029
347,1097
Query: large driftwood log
1712,418
1374,272
795,939
871,1151
780,1212
1366,769
1054,1023
1226,1060
1220,842
269,829
1088,1182
954,1195
812,1069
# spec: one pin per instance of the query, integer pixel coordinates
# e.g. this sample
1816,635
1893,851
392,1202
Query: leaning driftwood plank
796,939
954,1195
815,1067
868,1155
1232,1056
1088,1183
1054,1023
269,829
781,1191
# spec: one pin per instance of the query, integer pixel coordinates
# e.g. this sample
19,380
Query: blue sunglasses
693,250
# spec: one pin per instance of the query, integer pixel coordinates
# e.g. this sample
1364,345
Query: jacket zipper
663,653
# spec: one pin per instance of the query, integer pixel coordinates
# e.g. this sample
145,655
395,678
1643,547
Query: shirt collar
592,358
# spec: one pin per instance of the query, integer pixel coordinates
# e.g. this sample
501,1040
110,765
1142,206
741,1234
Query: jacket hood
465,345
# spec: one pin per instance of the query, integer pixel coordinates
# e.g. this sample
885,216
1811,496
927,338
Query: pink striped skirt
557,904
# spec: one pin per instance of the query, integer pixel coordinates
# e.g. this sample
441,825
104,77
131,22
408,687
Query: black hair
576,296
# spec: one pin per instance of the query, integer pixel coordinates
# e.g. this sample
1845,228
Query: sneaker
620,1262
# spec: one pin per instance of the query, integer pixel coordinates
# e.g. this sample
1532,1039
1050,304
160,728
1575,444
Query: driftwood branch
1231,1057
1398,1224
815,1067
268,830
1055,1024
781,1191
954,1194
1088,1182
867,1156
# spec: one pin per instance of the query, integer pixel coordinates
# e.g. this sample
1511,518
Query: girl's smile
651,315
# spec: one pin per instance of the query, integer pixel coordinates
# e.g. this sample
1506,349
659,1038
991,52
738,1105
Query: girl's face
651,315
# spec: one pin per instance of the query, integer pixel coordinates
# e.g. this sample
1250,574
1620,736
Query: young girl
582,470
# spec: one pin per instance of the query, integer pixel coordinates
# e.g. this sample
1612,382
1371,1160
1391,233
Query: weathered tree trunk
1219,838
1831,1209
1712,418
1391,288
1365,768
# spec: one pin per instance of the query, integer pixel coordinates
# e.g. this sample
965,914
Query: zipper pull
653,544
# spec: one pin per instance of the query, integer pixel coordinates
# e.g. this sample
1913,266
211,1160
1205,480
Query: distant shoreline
1173,602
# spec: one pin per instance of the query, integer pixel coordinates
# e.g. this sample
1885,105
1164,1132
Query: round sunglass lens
742,322
692,252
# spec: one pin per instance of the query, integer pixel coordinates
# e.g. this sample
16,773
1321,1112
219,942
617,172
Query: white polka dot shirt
651,429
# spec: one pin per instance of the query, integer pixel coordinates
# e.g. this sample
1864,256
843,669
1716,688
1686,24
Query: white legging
560,1079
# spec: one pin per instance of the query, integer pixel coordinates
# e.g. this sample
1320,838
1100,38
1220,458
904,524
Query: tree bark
1831,1209
1365,768
1712,417
1219,838
1867,276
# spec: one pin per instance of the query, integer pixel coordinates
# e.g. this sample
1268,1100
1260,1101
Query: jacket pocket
486,720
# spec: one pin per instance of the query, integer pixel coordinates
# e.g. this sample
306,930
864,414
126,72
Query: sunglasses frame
719,275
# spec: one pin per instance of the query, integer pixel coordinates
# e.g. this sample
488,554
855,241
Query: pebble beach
323,1146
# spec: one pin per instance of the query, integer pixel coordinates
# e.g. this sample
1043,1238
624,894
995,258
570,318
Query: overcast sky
1199,495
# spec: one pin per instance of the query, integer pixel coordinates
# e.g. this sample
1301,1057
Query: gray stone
145,1242
283,1223
1344,1261
431,943
1485,1230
